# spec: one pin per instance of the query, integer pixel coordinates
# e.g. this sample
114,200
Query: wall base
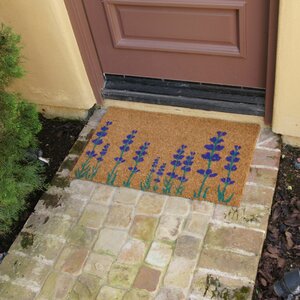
291,140
64,112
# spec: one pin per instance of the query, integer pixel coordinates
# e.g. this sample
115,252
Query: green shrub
19,125
9,56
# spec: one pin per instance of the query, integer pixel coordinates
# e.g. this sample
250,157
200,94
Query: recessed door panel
211,41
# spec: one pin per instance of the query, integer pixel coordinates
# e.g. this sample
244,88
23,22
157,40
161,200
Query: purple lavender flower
146,184
86,170
160,172
230,167
100,158
154,165
159,175
91,154
134,170
125,147
207,172
177,162
172,175
140,154
103,152
186,168
211,156
101,134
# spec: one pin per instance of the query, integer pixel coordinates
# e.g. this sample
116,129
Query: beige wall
55,72
286,118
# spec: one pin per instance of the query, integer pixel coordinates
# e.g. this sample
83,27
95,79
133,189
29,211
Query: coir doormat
196,158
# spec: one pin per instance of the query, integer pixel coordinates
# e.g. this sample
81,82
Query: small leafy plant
19,125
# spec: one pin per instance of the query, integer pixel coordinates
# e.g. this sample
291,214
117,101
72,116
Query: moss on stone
51,200
68,164
26,239
241,293
78,147
61,182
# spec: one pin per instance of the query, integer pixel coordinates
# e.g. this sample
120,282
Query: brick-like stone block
248,216
187,246
13,291
257,195
150,204
82,236
170,294
122,275
147,279
159,254
228,262
143,227
98,265
96,117
44,247
203,207
93,215
263,177
82,187
233,238
48,224
86,287
57,286
71,260
215,286
68,204
22,267
177,206
197,224
268,139
110,241
179,273
119,216
133,252
266,158
109,293
169,227
136,294
103,194
126,196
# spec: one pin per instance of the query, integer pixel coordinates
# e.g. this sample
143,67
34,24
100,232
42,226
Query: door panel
216,41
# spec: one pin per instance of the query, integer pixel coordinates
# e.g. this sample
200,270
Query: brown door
211,41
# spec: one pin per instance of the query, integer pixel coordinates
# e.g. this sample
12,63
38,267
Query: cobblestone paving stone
91,241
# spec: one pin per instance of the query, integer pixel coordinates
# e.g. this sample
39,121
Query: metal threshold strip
185,94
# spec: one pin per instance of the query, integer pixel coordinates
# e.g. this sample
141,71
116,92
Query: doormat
191,157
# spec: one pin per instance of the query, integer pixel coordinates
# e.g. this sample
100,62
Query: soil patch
281,251
56,139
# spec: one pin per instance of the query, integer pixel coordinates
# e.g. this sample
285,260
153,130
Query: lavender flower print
186,168
85,169
176,163
159,175
211,156
140,154
100,159
232,159
146,185
125,147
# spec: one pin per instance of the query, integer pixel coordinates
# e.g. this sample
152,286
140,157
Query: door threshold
208,97
184,111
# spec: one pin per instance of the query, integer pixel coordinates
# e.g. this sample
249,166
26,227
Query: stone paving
91,241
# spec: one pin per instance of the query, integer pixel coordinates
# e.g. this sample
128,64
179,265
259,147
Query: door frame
93,66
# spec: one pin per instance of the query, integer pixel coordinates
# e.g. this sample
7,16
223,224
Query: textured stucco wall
286,117
56,77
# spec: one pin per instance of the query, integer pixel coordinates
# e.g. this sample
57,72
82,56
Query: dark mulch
55,139
281,251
